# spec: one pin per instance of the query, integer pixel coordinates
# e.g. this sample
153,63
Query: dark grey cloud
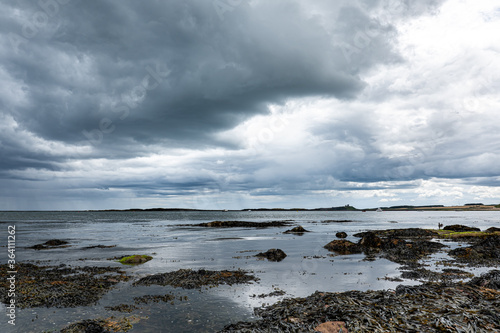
91,59
88,88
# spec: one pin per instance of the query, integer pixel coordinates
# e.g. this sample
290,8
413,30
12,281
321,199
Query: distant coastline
466,207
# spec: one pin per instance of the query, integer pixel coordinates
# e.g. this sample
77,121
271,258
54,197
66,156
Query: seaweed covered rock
466,253
296,230
245,224
273,254
87,326
394,242
371,240
100,246
135,259
100,325
408,233
407,252
431,307
460,228
343,246
391,244
486,252
341,234
50,244
59,286
489,280
191,279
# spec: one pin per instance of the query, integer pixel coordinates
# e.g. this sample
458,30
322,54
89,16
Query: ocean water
175,243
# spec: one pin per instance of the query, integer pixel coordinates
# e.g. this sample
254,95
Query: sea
174,242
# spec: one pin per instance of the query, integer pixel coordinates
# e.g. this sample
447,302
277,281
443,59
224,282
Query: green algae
136,259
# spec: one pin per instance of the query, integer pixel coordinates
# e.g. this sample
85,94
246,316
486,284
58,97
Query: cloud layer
229,104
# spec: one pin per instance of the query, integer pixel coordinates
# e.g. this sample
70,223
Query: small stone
331,327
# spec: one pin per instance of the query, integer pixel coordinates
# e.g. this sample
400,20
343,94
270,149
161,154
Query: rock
296,230
190,279
392,243
60,286
331,327
84,326
239,224
106,325
402,252
135,259
493,229
343,247
371,240
460,228
273,255
430,307
341,234
99,247
53,243
489,280
484,252
401,233
465,253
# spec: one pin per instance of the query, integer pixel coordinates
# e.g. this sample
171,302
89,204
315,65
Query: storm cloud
235,103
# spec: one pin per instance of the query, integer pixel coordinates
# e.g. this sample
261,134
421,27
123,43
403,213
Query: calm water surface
308,266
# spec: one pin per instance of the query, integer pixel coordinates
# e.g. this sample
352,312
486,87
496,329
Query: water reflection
308,266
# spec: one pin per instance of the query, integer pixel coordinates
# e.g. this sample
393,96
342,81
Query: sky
232,104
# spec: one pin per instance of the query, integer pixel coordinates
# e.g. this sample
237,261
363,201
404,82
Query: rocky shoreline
443,306
442,303
60,286
431,307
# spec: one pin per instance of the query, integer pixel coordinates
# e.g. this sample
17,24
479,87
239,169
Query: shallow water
308,266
